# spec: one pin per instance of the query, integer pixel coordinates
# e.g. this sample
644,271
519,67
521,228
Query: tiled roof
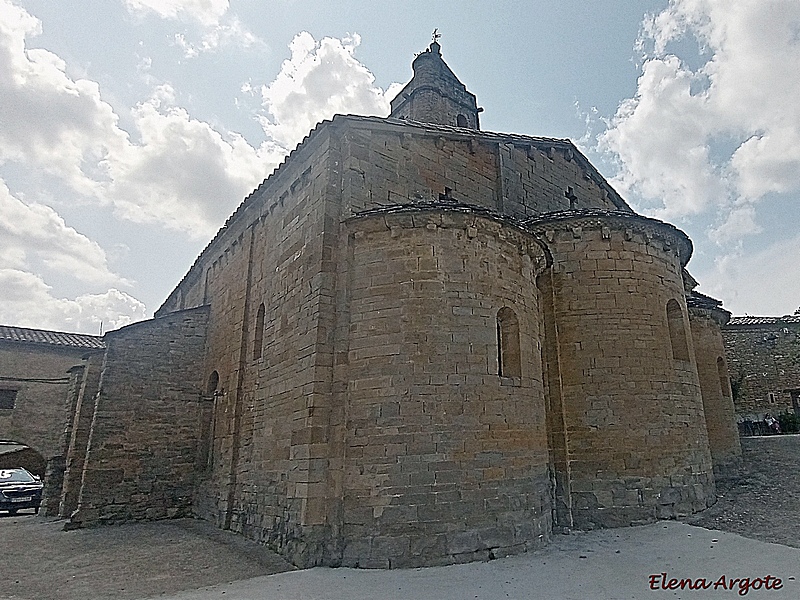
51,338
764,320
698,300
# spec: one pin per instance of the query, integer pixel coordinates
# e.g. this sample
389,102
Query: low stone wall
144,441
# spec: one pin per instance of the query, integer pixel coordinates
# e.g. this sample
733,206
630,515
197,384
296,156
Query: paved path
601,565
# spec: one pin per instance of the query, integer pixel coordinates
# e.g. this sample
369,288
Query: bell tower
434,94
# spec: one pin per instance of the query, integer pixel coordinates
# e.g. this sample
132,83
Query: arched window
724,380
677,331
461,121
259,340
213,383
509,362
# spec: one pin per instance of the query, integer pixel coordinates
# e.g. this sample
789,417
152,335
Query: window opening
724,381
509,363
213,383
259,340
7,399
677,331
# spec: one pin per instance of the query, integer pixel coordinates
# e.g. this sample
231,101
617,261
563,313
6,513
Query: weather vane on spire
436,35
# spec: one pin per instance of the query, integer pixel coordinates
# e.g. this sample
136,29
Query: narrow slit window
677,331
509,363
724,381
213,383
259,338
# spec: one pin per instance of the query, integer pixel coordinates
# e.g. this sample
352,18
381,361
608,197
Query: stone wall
143,446
54,479
712,369
387,164
335,443
445,460
636,442
79,428
764,361
42,407
269,458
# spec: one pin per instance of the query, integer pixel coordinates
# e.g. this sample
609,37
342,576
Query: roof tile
50,338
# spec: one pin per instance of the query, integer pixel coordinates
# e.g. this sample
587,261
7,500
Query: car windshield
17,475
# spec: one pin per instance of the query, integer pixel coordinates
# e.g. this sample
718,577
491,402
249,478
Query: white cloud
660,139
207,12
319,80
45,117
171,169
231,33
182,173
36,242
218,27
742,277
717,138
27,301
741,221
34,236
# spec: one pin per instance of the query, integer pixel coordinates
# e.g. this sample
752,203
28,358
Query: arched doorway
21,490
16,454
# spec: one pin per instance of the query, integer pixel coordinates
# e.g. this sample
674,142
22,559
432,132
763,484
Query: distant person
772,423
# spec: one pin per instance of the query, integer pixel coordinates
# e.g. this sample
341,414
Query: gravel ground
38,560
764,504
41,561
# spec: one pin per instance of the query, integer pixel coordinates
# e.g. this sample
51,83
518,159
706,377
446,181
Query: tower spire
434,94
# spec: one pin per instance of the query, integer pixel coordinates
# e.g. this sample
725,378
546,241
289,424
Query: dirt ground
38,560
764,504
41,561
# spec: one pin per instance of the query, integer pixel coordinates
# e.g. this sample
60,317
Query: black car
19,489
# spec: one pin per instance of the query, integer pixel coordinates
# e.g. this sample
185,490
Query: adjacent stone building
39,375
415,343
764,359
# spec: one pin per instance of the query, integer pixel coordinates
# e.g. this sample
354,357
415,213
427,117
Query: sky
131,129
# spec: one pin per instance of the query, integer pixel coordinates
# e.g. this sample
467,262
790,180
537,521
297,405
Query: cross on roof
436,35
570,194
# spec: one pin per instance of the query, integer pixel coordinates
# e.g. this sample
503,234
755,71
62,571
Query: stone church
416,343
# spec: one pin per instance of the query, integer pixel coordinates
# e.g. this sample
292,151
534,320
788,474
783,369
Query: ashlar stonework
764,355
415,343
